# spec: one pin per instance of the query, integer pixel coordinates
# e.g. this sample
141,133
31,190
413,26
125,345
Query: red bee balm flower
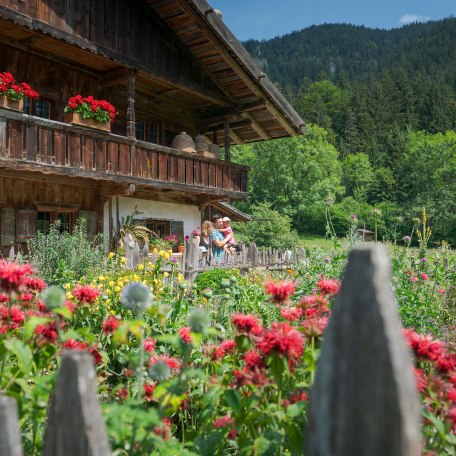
281,291
282,339
110,325
86,294
328,286
246,324
12,275
149,345
223,422
184,334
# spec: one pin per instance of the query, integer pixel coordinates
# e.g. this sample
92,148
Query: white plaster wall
190,215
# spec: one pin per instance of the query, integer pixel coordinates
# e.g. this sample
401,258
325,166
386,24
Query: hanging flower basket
90,113
12,95
76,119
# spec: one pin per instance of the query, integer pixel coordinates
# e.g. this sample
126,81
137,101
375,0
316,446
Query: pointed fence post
10,435
364,399
75,425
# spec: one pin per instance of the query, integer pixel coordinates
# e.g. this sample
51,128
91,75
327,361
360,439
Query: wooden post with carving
364,399
75,425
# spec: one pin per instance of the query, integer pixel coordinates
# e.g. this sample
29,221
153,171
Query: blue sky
268,18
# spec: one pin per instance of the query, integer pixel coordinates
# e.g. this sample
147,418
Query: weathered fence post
10,435
252,254
364,400
75,425
192,255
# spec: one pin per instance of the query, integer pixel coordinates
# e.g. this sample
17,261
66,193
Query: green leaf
22,353
295,409
64,312
31,325
233,398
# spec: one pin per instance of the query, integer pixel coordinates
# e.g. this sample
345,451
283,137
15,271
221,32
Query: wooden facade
167,67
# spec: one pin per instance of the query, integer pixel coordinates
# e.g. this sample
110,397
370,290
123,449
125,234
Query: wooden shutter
8,226
177,228
25,224
91,219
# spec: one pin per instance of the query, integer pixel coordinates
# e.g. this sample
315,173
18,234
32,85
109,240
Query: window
140,130
39,108
45,218
147,131
159,227
152,133
43,221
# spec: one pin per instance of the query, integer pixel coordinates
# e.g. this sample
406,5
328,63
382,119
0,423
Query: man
218,240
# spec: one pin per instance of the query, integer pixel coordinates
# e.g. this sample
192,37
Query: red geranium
88,107
15,91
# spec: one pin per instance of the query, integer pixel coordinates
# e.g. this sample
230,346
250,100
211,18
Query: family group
216,238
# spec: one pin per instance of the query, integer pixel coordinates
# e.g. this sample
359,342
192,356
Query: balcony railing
34,144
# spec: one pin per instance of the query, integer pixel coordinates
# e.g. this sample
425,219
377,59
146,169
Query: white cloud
409,18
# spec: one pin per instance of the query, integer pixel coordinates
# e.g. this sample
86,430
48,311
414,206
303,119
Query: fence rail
363,402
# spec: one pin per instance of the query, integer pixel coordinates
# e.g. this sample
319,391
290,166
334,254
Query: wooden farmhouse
168,66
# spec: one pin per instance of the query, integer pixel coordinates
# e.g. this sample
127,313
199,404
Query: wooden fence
363,402
249,257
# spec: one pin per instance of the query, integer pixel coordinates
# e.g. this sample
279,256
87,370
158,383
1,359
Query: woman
205,240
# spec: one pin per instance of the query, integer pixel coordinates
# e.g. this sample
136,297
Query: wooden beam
282,121
131,118
115,76
236,138
109,189
256,126
227,141
221,126
216,114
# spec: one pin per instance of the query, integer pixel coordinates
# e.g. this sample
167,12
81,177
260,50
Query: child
226,231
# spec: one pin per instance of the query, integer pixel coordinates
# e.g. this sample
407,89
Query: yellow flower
166,255
180,277
112,312
67,286
117,289
155,250
69,296
108,301
101,278
170,252
136,278
111,254
140,267
123,260
150,265
111,283
165,274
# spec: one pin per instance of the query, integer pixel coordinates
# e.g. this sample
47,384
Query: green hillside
381,111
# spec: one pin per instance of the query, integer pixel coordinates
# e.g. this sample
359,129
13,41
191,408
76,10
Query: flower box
76,119
13,105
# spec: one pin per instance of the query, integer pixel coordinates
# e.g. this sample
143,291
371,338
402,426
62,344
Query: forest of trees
381,111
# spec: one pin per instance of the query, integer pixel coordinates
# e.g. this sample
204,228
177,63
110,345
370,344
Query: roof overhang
259,111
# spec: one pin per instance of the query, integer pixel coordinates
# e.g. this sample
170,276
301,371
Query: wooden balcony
34,144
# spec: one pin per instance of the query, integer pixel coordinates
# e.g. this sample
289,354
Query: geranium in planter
90,112
12,95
